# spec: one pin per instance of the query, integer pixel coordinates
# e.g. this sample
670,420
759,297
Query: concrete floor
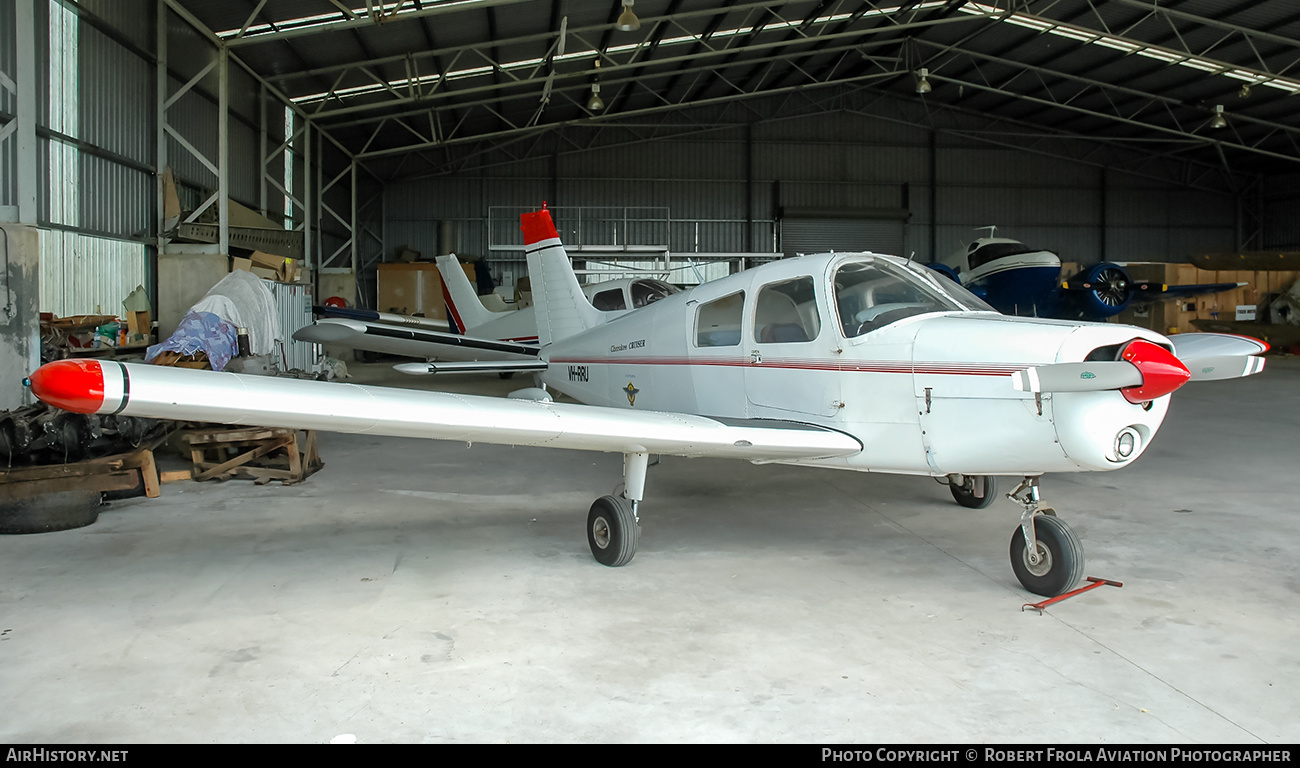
417,591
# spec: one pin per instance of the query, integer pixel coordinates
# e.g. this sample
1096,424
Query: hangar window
717,323
787,312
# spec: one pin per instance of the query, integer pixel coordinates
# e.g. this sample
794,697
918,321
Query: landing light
1126,443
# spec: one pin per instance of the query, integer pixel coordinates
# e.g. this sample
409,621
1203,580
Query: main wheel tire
1061,565
612,531
58,511
967,495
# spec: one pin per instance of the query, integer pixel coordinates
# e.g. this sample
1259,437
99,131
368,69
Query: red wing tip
537,226
73,385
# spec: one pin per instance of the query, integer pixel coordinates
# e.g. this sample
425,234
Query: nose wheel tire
1060,564
974,492
612,531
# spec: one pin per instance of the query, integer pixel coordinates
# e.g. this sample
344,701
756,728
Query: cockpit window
649,291
608,301
787,312
990,251
873,294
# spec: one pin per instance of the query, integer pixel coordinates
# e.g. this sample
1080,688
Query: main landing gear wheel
1060,564
612,530
975,492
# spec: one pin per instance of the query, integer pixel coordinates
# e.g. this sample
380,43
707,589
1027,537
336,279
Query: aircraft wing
1187,291
162,392
411,341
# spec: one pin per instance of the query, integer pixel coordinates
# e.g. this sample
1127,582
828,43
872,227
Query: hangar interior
138,137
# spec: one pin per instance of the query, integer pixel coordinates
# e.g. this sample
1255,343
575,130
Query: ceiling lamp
627,21
922,83
1218,121
595,104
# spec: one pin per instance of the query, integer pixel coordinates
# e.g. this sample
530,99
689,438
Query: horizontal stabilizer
411,341
483,366
383,318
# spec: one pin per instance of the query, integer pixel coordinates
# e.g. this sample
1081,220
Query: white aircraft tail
562,308
463,305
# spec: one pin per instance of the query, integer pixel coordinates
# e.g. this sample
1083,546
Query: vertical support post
354,232
160,118
1104,193
934,195
223,148
27,82
261,149
307,207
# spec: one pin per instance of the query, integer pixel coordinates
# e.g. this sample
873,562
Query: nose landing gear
1046,556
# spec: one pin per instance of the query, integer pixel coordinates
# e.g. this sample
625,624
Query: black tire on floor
612,531
1062,553
59,511
967,495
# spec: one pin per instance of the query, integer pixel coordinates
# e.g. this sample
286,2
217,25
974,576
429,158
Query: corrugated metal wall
1282,212
838,163
9,105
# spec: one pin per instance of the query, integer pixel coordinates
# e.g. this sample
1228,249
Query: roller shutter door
821,235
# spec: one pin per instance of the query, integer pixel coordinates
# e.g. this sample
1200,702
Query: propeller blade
1144,372
1077,377
564,28
1224,367
1215,356
1190,346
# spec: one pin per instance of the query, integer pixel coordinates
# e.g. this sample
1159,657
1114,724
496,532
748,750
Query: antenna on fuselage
992,228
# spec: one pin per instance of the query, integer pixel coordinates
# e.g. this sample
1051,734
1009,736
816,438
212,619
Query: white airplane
475,332
854,361
1019,280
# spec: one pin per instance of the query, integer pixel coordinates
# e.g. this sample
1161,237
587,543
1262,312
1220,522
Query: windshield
649,291
874,293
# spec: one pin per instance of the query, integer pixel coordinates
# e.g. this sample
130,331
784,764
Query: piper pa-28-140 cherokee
854,361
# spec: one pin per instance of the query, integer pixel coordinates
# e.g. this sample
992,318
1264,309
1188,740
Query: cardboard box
1246,312
410,289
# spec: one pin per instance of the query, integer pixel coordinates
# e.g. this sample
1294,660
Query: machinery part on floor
1096,582
40,434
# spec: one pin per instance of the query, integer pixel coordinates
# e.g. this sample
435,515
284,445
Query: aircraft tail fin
562,308
464,309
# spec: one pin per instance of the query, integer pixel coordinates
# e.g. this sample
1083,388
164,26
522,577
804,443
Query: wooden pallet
120,472
262,454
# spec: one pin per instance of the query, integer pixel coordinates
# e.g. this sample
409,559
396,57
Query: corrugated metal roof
452,76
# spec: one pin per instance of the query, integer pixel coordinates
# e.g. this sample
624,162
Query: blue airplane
1019,280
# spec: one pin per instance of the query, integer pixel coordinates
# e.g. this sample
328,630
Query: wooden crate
120,472
262,454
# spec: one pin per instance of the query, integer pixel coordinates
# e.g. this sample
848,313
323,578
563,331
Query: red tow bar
1096,582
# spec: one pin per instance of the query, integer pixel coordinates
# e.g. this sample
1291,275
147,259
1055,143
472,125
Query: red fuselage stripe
883,366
